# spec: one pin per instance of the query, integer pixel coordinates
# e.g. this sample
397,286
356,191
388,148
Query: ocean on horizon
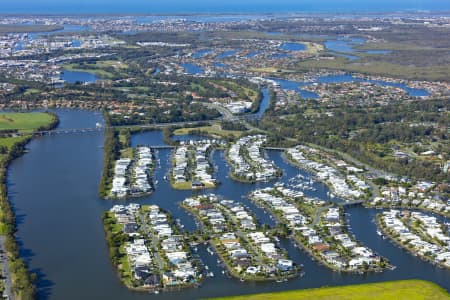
212,6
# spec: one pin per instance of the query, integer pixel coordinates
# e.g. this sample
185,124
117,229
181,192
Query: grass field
379,68
99,72
24,121
388,46
32,91
9,141
212,130
17,28
188,186
391,290
313,48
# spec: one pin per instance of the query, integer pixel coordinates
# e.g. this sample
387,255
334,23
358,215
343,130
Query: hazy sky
144,6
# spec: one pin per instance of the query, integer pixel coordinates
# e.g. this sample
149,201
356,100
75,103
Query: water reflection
61,234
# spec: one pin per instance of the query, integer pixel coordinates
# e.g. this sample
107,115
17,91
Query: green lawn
391,290
32,91
182,185
378,68
212,130
9,141
126,153
99,72
24,121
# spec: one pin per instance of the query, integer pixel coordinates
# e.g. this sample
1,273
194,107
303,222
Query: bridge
63,131
275,148
351,203
101,128
160,147
225,115
137,126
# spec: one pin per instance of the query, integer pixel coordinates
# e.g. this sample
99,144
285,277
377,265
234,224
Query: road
226,115
318,214
5,269
154,241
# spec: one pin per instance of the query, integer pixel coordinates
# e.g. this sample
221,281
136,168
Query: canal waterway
192,69
345,46
78,76
53,189
301,87
293,46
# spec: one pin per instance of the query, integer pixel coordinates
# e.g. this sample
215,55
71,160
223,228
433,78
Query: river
53,189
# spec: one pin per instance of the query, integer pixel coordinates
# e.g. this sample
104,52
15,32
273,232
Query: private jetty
247,160
418,233
149,250
319,228
192,168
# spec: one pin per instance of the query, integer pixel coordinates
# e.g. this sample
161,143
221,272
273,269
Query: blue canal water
344,47
201,53
19,46
301,87
344,44
253,54
156,71
76,43
78,76
192,68
377,51
349,78
265,102
293,46
53,190
226,54
295,86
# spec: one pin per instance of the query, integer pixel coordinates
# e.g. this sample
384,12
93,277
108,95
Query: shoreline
22,270
400,207
229,269
391,238
108,231
417,11
310,252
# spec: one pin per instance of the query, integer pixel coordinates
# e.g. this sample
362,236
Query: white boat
379,233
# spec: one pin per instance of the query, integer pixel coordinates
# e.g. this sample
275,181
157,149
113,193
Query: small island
418,233
247,160
247,251
149,250
192,167
320,229
132,176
